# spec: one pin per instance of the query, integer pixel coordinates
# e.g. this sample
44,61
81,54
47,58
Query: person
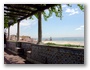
4,40
50,38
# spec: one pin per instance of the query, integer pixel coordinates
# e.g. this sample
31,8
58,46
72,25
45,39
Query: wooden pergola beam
33,6
16,14
19,7
19,11
36,6
41,9
29,9
13,16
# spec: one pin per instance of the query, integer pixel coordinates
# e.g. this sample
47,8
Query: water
64,39
68,40
71,40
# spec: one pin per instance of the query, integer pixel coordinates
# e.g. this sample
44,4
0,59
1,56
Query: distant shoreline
65,42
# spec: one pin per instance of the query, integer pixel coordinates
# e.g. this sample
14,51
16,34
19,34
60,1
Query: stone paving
10,58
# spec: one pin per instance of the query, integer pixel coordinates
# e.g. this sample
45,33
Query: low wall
11,46
51,55
56,55
26,47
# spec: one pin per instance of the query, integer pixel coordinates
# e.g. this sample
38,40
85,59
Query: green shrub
66,45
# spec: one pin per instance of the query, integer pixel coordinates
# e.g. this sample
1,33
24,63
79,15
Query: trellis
19,12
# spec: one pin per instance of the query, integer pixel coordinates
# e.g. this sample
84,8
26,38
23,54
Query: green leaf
81,6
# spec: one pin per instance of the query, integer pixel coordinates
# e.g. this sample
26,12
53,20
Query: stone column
18,31
39,28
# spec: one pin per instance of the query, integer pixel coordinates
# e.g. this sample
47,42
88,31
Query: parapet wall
51,55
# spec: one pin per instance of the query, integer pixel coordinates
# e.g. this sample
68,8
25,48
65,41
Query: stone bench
17,51
28,53
20,50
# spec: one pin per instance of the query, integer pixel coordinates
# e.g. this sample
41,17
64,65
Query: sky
71,25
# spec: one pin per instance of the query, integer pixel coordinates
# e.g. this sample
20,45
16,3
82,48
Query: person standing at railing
50,38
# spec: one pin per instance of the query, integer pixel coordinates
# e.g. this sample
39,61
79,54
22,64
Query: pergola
22,11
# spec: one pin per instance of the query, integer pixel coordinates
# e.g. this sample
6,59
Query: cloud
64,6
28,22
80,28
24,23
72,11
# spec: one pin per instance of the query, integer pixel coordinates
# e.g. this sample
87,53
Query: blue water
68,39
65,39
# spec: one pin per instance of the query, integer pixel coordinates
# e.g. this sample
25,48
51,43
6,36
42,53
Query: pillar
39,28
18,31
9,33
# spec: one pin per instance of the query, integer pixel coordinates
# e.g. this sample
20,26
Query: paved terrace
10,58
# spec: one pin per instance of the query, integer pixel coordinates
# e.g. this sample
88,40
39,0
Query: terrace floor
10,58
